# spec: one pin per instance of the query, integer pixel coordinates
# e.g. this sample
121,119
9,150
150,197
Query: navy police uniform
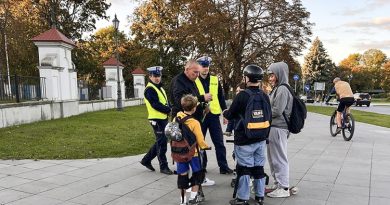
158,110
211,121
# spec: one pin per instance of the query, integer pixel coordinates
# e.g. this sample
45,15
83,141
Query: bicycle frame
347,124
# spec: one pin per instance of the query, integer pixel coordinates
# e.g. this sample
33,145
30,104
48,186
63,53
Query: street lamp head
115,22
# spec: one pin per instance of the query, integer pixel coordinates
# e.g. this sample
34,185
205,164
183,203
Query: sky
343,26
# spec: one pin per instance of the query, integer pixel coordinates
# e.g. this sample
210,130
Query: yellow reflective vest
162,97
215,107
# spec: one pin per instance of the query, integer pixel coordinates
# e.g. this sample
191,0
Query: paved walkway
327,170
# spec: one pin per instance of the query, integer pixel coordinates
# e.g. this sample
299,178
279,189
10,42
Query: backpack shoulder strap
182,120
289,88
250,93
191,136
292,93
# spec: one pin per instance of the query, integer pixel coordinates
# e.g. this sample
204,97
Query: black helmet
254,73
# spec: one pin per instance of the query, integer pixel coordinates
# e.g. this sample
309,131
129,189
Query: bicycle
347,124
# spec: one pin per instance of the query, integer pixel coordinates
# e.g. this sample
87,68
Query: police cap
204,61
155,70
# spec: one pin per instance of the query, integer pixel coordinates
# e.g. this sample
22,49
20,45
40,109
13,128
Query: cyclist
344,92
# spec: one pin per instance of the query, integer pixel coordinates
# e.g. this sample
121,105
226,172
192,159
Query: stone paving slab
328,170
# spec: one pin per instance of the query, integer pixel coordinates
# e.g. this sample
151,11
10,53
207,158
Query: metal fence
130,93
94,92
21,88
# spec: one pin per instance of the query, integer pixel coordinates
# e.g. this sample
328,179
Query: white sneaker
279,193
183,202
272,186
208,182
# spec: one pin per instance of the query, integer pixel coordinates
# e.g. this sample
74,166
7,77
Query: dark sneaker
259,200
226,171
148,165
201,196
194,201
166,171
238,202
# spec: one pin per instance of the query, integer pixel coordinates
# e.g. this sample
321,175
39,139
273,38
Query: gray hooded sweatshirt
282,101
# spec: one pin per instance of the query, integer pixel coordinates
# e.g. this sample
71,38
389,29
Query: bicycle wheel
333,125
349,127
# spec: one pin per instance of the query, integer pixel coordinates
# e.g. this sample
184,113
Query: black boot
148,165
259,200
166,170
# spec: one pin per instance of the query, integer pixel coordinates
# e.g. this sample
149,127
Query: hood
280,69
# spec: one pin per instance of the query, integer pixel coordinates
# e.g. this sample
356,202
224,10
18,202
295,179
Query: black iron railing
16,88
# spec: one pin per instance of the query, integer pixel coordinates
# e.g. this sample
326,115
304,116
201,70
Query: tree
353,65
233,33
20,25
159,25
90,54
73,17
285,55
28,18
247,32
317,66
385,83
373,60
367,69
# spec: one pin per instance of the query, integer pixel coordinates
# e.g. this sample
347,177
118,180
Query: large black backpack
258,115
298,113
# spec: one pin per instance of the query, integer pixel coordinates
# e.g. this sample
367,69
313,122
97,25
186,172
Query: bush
381,95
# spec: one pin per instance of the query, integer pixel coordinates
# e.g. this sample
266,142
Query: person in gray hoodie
281,102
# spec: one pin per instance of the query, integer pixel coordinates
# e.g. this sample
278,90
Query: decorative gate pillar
139,82
110,67
56,66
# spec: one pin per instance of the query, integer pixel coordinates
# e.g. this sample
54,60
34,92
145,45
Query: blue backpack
258,115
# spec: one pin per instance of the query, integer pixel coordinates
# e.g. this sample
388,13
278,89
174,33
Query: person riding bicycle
344,92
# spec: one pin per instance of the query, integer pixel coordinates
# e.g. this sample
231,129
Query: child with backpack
189,157
252,111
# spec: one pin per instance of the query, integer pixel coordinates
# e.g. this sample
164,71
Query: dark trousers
159,148
212,123
230,126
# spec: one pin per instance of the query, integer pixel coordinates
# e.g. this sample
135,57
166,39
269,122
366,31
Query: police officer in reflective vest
207,83
158,110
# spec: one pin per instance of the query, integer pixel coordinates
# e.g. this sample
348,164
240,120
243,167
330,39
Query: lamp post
119,99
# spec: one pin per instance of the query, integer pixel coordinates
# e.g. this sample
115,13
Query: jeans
159,148
212,123
250,156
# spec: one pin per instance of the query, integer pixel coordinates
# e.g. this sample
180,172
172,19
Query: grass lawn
91,135
360,116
